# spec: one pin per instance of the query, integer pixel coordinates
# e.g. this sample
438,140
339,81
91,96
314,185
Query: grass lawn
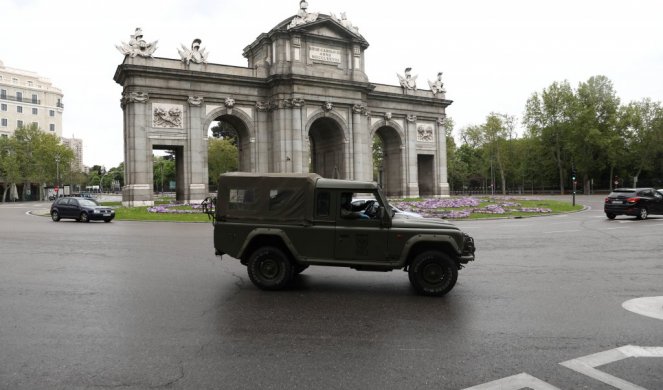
478,208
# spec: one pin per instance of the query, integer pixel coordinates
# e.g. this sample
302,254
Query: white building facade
27,98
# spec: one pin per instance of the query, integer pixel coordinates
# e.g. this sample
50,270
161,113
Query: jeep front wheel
433,273
269,268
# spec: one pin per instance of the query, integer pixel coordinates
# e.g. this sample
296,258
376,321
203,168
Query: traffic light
573,174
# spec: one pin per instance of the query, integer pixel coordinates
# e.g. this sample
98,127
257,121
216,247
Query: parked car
638,202
80,209
364,204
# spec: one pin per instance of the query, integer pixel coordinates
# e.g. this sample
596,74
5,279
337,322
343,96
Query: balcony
21,100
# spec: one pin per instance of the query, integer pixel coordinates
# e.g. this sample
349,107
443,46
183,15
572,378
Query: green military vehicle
280,224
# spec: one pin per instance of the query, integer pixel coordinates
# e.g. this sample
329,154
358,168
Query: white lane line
586,365
646,306
515,382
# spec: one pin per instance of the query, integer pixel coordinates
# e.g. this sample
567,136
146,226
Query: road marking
515,382
586,365
646,306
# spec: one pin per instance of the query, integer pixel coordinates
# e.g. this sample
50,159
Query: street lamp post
57,175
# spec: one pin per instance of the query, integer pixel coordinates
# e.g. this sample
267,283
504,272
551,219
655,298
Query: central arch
327,148
242,137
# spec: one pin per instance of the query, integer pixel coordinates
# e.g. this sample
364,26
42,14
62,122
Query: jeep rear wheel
433,273
269,268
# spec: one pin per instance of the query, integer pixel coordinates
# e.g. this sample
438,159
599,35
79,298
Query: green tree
549,119
595,128
223,156
38,156
643,135
164,172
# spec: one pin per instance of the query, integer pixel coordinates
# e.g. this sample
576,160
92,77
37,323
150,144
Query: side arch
392,171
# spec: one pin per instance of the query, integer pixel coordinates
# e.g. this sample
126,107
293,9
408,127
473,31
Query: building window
3,94
14,80
51,112
34,99
51,127
3,107
19,109
29,83
4,122
35,111
19,123
19,96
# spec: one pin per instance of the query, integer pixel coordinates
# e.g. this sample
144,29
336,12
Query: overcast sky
494,54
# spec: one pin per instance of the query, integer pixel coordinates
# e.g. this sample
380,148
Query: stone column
359,133
137,190
412,174
442,177
298,136
196,179
263,158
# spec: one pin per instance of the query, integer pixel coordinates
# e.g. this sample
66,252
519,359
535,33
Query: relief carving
411,118
262,106
167,116
327,106
229,102
196,101
425,134
298,102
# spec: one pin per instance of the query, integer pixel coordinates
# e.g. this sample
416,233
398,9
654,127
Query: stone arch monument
303,103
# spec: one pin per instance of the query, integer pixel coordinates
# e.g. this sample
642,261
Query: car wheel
107,220
269,268
433,273
642,213
610,215
84,217
55,216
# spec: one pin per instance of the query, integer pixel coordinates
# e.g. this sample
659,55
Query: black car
638,202
80,209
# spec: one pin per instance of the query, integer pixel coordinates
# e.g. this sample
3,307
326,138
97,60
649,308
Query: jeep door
359,239
316,241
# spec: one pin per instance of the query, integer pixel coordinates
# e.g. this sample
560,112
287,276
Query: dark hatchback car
81,209
638,202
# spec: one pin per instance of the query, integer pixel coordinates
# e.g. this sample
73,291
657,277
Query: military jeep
280,224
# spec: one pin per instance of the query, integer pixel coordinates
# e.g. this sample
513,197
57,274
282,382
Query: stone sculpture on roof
303,16
437,86
195,54
343,20
408,82
137,46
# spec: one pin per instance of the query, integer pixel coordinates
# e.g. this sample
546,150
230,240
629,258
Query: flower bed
176,208
458,208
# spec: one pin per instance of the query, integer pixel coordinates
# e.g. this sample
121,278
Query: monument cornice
280,79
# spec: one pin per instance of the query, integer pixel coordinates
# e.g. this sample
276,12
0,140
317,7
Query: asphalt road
138,305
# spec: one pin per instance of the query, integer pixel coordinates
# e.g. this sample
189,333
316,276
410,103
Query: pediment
329,27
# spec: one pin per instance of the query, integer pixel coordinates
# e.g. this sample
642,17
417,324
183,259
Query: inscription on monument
325,54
